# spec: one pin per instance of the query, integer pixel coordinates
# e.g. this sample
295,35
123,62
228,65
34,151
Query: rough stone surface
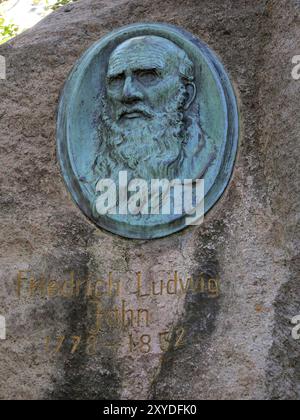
239,345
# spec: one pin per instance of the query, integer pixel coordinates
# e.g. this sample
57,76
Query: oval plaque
147,113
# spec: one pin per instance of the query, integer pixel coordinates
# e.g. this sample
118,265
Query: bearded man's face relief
143,79
147,127
149,86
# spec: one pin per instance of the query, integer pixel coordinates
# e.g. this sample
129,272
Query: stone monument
96,309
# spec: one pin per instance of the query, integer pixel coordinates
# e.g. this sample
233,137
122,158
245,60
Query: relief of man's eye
116,82
147,77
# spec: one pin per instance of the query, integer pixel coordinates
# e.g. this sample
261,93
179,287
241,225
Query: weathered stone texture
239,346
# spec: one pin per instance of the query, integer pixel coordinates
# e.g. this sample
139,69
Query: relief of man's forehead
150,52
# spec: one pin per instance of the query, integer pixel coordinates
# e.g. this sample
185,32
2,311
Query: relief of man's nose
131,93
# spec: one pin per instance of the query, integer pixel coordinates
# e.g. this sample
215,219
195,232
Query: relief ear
191,91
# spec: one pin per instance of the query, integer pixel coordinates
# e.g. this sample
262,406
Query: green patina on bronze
152,100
